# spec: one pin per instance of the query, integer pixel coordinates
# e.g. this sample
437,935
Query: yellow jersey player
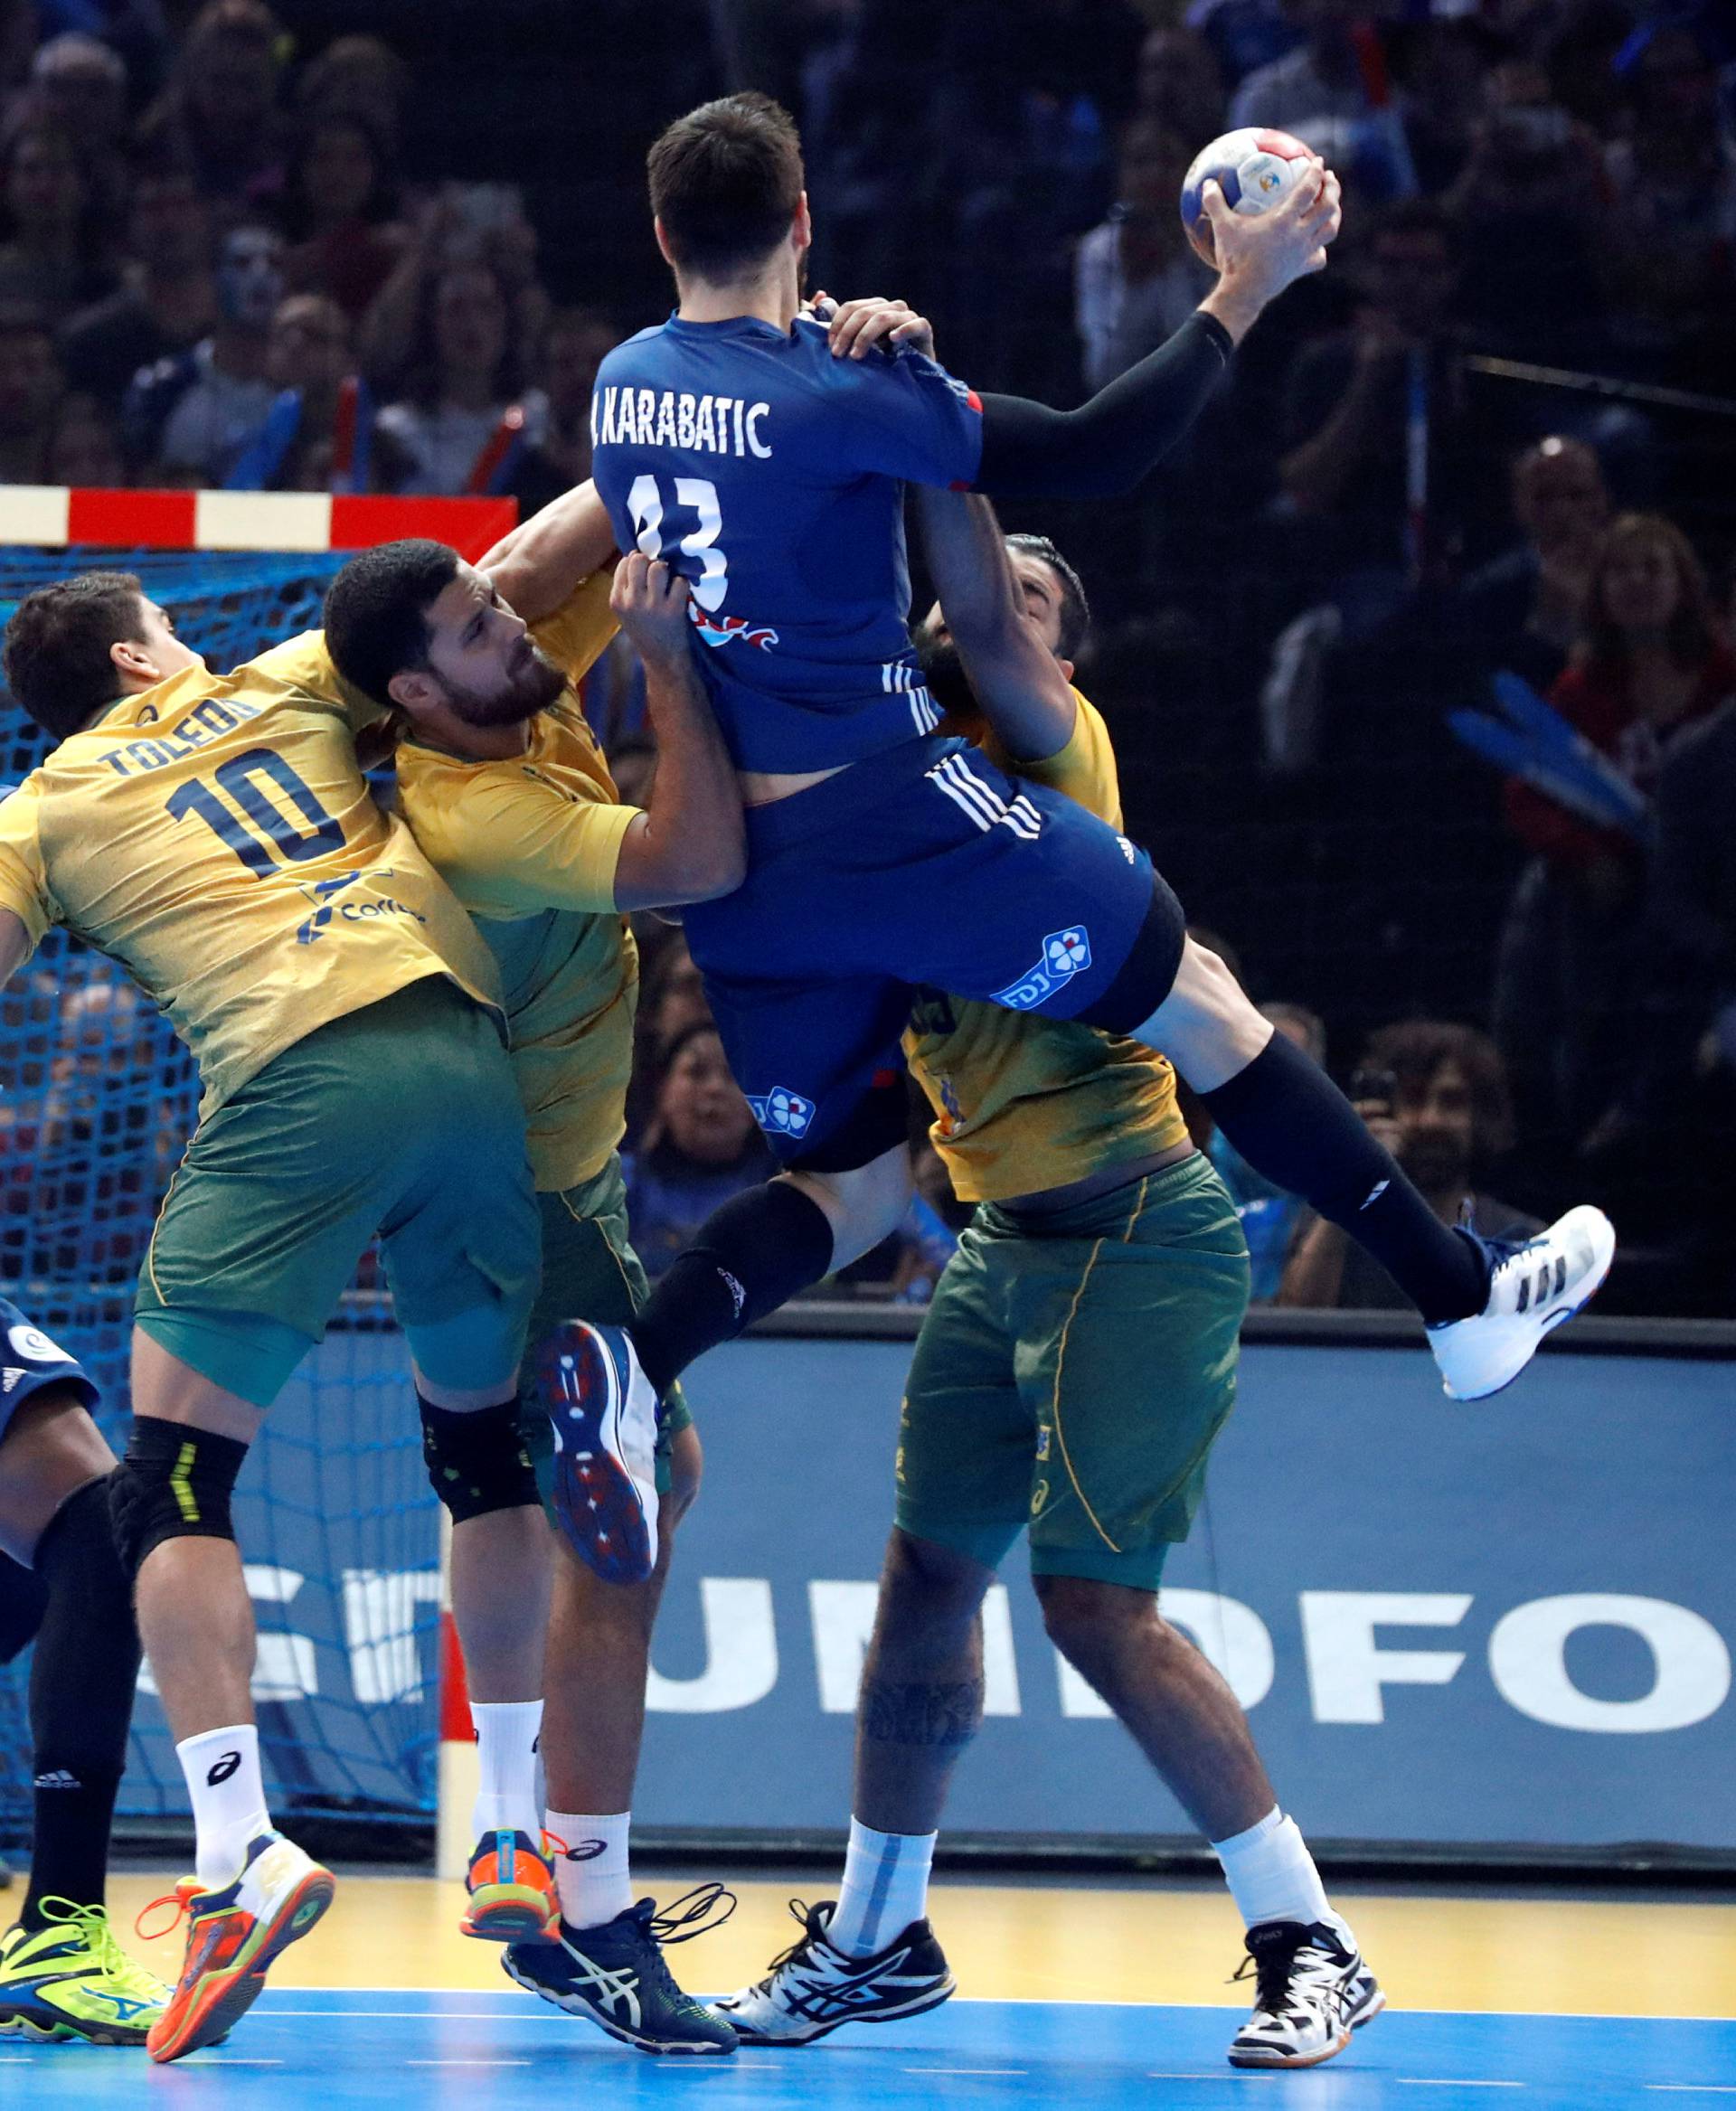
517,810
214,834
1071,1373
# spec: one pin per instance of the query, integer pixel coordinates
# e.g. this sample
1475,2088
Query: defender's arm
1021,686
537,566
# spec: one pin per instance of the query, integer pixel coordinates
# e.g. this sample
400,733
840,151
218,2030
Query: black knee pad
175,1483
478,1462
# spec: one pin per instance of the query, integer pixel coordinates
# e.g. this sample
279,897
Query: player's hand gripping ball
1253,168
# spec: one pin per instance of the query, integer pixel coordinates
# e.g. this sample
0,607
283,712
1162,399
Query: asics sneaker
1534,1286
605,1419
71,1979
233,1937
813,1987
617,1975
511,1886
1312,1990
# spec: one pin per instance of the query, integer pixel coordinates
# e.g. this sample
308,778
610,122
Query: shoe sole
920,2006
15,2023
571,2005
596,1501
225,1996
519,1918
1545,1327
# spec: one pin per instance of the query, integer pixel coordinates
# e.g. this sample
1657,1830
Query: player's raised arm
15,945
1103,448
536,567
1022,688
690,844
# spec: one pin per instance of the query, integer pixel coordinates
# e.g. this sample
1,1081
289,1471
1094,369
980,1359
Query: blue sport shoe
604,1416
616,1975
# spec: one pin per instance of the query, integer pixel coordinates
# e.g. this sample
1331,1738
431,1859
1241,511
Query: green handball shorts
402,1118
589,1271
1071,1376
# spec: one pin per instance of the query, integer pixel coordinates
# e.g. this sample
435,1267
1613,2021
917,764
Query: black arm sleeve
1104,448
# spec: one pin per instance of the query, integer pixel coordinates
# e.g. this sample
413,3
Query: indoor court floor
1110,1995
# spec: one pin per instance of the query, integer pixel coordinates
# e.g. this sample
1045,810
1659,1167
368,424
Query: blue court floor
398,2051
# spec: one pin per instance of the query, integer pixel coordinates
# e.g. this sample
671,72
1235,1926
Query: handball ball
1253,169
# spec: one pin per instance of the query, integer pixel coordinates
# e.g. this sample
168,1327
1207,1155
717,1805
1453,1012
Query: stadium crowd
245,246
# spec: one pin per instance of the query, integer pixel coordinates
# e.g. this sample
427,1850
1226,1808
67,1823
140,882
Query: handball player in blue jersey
763,450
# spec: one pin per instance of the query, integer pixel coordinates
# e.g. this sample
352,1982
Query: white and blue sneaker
1312,1990
814,1988
616,1975
604,1415
1534,1286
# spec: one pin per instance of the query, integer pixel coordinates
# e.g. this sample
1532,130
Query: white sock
886,1888
591,1876
506,1735
228,1812
1271,1874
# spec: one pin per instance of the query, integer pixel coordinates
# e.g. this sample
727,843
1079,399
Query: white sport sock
228,1812
886,1888
506,1735
591,1876
1271,1874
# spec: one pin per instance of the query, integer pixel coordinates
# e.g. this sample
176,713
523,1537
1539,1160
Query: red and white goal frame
88,521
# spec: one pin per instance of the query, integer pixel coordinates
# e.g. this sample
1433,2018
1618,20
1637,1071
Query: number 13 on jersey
694,494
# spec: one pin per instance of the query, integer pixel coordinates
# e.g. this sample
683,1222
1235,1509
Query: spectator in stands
1348,408
574,345
1136,278
167,302
1526,609
84,449
1245,35
701,1147
1667,251
315,437
52,252
220,111
1528,219
207,405
1651,662
31,388
1180,86
341,212
80,83
1319,90
465,420
1436,1095
360,77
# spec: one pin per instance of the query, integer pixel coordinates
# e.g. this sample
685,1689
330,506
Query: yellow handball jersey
215,835
1023,1103
530,846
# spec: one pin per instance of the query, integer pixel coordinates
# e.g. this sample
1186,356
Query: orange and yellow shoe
512,1891
233,1937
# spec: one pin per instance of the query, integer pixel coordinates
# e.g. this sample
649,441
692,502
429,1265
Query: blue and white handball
1254,169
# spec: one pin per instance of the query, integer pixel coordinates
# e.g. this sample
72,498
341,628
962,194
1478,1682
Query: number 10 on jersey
694,494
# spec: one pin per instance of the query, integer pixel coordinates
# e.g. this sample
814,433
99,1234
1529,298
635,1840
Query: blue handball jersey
771,474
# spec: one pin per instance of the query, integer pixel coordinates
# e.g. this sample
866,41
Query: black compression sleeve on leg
749,1257
1104,448
82,1683
1291,1122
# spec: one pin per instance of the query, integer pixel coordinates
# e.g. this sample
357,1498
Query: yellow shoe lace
132,1978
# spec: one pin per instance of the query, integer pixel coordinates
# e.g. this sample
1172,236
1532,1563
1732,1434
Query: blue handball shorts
925,867
30,1363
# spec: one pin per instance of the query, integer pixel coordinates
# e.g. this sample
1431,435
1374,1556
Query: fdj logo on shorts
781,1112
1065,954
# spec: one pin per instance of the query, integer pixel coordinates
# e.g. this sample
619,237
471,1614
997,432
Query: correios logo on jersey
350,912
